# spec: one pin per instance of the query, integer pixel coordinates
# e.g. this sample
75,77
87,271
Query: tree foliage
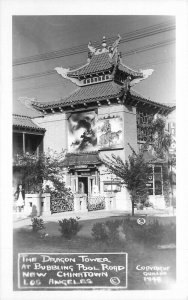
158,137
133,173
43,173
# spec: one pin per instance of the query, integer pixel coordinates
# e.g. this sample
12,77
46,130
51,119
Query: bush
140,206
154,233
149,234
99,232
69,227
108,231
169,236
148,204
37,224
113,230
128,228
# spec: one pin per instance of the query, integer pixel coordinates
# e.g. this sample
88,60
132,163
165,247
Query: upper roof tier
101,61
98,63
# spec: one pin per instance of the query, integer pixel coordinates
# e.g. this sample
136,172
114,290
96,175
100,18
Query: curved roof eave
133,93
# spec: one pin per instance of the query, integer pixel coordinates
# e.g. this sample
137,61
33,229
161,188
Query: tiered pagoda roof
103,80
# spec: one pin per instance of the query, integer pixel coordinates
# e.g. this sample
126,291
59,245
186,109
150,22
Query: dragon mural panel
82,132
87,133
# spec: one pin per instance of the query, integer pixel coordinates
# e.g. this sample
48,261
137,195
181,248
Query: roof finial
92,50
113,48
104,42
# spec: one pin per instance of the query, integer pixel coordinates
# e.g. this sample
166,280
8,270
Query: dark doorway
83,185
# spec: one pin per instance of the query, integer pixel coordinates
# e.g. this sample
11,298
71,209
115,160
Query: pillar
46,211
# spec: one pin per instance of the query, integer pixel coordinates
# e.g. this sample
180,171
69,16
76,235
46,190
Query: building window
96,79
112,187
27,143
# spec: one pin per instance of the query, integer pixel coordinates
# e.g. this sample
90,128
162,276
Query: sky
35,35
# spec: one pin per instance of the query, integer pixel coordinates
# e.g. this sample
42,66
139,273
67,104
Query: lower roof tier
95,94
87,93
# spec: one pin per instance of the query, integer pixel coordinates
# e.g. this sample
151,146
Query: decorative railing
96,203
61,205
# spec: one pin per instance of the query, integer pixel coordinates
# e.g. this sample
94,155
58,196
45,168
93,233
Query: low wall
80,202
158,201
123,201
37,204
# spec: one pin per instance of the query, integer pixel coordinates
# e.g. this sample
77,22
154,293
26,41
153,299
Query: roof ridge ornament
113,49
27,101
104,42
63,72
145,73
92,49
104,47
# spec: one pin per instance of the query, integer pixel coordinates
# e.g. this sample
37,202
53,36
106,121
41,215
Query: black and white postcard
91,204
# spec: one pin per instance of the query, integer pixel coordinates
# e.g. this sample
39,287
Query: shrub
140,206
37,224
154,233
69,227
113,230
149,234
99,232
128,228
148,204
169,236
108,231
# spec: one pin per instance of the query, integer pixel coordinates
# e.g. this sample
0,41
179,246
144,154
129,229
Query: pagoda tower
98,118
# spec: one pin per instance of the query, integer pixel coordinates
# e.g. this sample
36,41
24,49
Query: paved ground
19,220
